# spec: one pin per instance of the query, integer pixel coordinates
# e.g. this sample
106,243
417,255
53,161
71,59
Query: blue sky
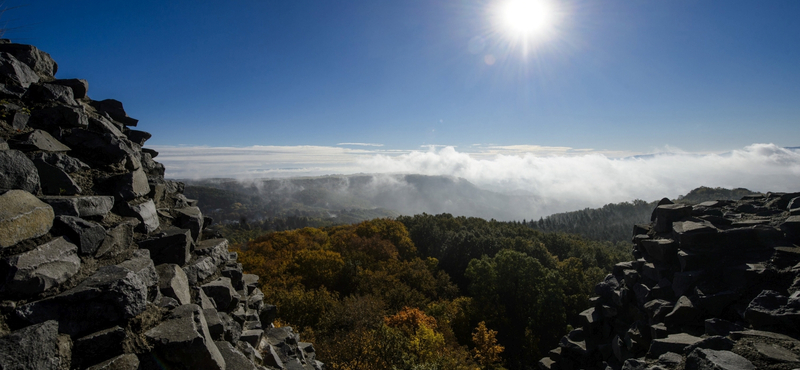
614,75
298,79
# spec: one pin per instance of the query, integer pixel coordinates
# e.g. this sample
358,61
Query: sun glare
527,18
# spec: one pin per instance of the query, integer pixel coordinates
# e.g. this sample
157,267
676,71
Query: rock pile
714,286
104,264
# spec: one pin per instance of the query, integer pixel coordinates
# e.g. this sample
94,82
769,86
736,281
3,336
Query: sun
527,18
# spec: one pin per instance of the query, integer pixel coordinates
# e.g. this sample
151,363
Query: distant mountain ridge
328,196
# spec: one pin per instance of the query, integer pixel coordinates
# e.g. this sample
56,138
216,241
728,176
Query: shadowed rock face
104,263
705,277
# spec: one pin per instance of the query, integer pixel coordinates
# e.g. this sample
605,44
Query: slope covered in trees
433,292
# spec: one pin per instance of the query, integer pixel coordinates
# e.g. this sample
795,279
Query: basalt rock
715,286
108,267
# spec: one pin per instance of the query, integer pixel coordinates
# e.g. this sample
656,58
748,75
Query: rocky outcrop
714,286
103,262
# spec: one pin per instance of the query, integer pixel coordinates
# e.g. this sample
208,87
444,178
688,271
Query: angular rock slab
127,361
132,185
60,160
673,343
172,282
51,92
54,118
40,269
234,359
39,140
189,218
223,293
15,72
39,61
18,172
80,206
32,347
23,216
54,181
172,246
771,310
118,239
183,340
87,235
709,359
144,212
142,266
79,86
109,297
103,344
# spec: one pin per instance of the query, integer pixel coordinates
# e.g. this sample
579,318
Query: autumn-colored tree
409,319
486,352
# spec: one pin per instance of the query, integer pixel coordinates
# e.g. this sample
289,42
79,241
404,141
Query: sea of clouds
573,179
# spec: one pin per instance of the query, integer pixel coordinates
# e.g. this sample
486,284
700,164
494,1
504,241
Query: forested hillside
428,291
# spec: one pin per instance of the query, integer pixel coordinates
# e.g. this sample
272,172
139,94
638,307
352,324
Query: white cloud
563,178
359,144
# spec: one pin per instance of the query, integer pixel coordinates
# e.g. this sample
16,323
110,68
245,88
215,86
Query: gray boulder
31,348
215,325
51,93
188,218
200,269
80,206
106,149
40,269
183,340
118,239
145,212
20,120
216,249
62,161
54,119
38,140
15,72
115,110
132,185
18,172
54,181
138,137
171,246
684,313
141,264
234,359
87,235
172,282
104,344
709,359
127,361
223,293
233,330
39,61
771,310
22,216
664,215
673,343
79,87
110,296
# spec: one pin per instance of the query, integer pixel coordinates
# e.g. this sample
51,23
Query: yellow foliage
410,319
487,351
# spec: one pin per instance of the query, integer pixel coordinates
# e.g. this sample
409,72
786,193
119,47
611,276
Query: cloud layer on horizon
572,178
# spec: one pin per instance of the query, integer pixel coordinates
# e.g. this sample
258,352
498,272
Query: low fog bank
503,187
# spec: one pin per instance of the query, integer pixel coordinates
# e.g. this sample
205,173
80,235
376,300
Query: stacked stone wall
105,264
714,286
